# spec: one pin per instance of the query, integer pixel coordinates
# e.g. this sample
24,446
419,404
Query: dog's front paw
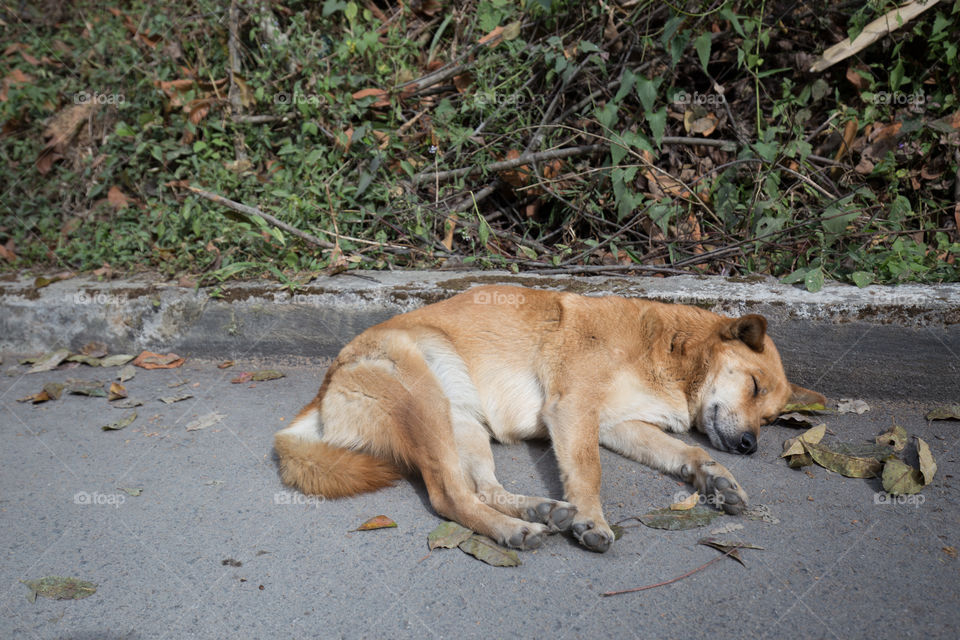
719,487
558,516
596,537
529,536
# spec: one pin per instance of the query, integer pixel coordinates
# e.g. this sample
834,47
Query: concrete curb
896,342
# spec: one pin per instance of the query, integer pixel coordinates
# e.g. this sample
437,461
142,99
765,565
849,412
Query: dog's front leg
576,443
648,444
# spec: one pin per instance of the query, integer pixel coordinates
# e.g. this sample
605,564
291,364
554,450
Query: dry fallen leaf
794,446
49,361
117,199
485,549
59,588
92,388
698,516
43,281
150,360
90,361
896,437
125,421
492,37
115,360
849,466
816,407
928,467
725,546
35,398
797,420
172,399
205,421
117,391
267,374
127,373
689,503
848,405
126,403
377,522
94,349
698,120
900,478
946,412
448,535
382,98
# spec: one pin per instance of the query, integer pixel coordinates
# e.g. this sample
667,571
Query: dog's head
745,386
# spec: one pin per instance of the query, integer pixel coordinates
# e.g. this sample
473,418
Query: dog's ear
799,395
750,329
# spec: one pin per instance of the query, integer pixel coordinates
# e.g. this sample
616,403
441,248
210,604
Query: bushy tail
318,468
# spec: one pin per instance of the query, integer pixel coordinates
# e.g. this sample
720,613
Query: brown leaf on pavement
377,522
150,360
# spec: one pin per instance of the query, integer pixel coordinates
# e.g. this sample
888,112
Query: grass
696,141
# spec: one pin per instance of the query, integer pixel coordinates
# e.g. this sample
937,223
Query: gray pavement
215,547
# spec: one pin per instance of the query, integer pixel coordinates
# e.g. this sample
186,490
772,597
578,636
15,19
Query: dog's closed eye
756,387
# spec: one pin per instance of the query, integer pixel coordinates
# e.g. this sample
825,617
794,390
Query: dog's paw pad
556,515
592,537
725,491
531,537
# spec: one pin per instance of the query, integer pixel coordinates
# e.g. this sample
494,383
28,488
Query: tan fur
428,389
321,469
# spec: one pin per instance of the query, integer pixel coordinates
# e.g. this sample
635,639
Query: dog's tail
318,468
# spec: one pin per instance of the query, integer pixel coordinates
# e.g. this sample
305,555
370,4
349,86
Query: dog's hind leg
473,445
414,420
451,493
471,440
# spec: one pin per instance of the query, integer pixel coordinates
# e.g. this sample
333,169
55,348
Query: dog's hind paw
558,516
593,537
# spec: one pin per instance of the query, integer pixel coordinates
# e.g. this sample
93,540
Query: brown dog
427,389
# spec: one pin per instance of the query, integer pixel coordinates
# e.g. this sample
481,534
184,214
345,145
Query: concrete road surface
215,547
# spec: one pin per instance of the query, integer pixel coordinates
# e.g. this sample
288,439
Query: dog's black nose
748,444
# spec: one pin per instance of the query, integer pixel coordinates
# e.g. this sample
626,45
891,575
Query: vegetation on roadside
538,135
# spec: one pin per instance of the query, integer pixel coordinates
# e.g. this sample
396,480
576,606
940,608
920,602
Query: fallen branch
880,27
233,93
678,578
436,77
253,211
600,268
503,165
452,69
259,119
